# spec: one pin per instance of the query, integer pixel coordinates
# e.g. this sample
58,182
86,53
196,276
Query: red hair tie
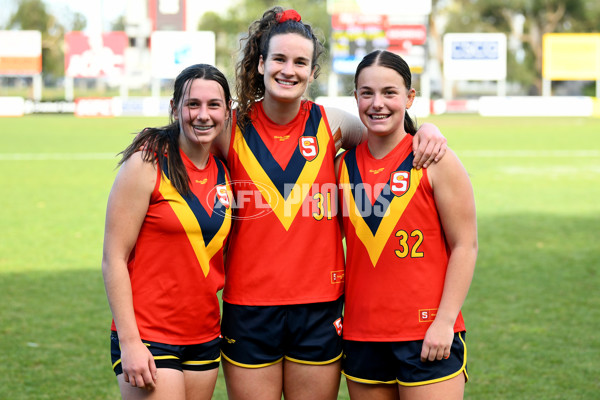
288,15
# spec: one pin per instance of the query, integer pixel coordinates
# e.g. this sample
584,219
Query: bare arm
220,146
347,129
127,206
456,206
429,145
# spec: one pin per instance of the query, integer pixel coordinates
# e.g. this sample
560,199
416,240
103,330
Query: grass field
533,312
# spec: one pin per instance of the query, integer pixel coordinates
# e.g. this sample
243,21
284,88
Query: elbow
105,267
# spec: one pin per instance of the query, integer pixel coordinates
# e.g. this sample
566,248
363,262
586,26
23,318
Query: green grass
533,312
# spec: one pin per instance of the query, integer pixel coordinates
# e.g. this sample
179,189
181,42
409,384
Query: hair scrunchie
288,15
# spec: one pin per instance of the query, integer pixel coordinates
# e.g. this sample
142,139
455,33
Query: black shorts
258,336
400,362
196,357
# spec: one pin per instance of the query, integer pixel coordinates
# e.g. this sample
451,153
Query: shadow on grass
533,315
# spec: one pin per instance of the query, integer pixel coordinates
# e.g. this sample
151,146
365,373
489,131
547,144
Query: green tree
34,15
118,25
233,26
526,21
79,22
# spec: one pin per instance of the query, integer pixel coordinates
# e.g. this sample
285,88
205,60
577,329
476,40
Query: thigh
169,386
366,391
265,383
451,389
315,382
200,385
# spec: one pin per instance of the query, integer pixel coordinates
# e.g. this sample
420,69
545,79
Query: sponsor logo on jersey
427,315
399,182
338,326
337,276
222,195
202,182
376,171
309,147
282,138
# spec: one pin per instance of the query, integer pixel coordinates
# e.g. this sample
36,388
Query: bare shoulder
450,159
138,163
138,173
449,169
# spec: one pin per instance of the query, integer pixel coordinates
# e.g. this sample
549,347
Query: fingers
142,382
151,384
418,152
433,353
153,369
429,156
145,379
438,152
428,152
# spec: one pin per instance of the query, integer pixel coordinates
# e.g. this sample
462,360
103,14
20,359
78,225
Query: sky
99,13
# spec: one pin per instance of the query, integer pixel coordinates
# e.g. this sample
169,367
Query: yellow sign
571,56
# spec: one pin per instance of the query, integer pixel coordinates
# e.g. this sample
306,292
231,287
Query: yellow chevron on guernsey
191,226
375,243
285,209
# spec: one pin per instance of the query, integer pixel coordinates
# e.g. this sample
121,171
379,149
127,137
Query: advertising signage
20,53
355,35
172,51
571,56
475,56
95,56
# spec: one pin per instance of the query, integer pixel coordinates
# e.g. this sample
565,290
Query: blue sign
475,50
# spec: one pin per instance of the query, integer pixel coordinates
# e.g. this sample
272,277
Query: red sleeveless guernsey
176,267
285,246
396,251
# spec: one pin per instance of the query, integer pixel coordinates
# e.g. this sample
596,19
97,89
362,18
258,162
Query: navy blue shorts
258,336
400,362
196,357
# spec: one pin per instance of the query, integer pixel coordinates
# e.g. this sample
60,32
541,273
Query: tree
118,25
526,21
232,27
79,22
33,15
